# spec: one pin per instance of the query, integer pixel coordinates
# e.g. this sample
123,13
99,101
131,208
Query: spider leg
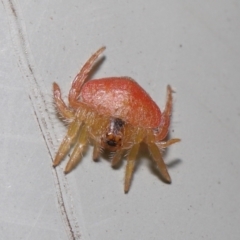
78,149
130,166
157,157
63,110
130,137
73,130
81,78
169,142
165,119
116,158
96,151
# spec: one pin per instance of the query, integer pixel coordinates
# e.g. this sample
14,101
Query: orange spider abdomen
123,98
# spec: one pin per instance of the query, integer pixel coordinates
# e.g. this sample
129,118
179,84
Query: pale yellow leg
130,166
165,119
81,78
168,106
67,141
78,149
129,138
116,158
63,110
169,142
157,157
96,151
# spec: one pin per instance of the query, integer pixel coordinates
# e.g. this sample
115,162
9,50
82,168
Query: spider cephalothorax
116,114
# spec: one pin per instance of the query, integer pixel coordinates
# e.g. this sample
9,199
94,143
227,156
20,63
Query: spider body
115,114
120,97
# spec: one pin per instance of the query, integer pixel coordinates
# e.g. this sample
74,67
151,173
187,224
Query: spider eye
112,143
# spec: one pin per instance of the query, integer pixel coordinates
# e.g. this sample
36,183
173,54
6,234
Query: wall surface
194,47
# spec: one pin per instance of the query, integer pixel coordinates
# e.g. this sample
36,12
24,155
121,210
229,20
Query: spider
115,113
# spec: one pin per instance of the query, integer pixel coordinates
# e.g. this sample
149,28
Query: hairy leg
168,143
73,130
131,136
63,110
81,78
157,157
165,119
78,149
117,157
130,166
96,150
97,125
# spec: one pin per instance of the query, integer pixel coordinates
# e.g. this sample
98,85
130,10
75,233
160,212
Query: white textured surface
194,46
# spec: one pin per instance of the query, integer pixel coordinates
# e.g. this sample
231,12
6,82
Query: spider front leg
62,109
81,78
136,139
73,130
126,144
130,166
97,149
117,157
97,129
78,149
